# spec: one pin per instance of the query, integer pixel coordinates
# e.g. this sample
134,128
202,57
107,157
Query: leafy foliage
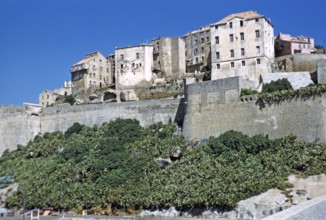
112,166
246,91
278,85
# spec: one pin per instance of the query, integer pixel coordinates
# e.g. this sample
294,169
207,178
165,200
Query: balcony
79,67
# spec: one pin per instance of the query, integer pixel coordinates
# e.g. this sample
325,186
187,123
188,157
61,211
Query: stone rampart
208,113
18,126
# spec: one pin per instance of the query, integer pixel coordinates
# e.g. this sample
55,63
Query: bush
76,128
69,99
246,91
278,85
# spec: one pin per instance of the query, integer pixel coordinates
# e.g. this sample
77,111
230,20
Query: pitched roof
243,15
84,61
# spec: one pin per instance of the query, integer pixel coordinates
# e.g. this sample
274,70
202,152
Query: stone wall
208,115
314,209
18,126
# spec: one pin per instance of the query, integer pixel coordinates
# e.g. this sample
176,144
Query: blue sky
41,39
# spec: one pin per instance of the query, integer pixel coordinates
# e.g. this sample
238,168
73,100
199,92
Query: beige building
198,50
169,58
92,72
292,45
49,97
133,69
242,44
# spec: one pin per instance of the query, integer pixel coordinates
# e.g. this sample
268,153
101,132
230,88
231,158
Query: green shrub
246,91
278,85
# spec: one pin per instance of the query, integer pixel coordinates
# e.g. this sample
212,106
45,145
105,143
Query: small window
100,60
137,56
216,27
242,51
195,51
217,40
202,49
258,49
207,39
231,38
196,59
257,34
196,42
242,36
217,55
230,25
257,19
243,63
232,64
258,61
122,56
241,23
218,66
202,59
231,53
133,65
140,65
121,66
202,40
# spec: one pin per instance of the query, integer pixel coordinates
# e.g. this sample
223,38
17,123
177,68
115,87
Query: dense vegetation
113,166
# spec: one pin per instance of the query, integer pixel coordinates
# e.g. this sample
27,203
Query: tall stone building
169,58
242,44
133,69
198,50
92,72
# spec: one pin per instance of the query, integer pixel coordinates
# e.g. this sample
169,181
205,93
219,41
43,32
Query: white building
242,44
91,72
133,69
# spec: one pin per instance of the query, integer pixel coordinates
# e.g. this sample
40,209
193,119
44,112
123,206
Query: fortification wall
207,117
18,126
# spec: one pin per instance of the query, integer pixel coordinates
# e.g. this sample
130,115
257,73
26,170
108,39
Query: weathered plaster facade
198,50
92,72
242,45
133,69
294,45
169,58
48,97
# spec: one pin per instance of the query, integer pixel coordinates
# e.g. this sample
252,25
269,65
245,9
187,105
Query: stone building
133,69
49,97
198,56
242,44
169,58
93,71
292,45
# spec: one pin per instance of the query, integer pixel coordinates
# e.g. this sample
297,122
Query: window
137,56
232,53
207,39
241,23
241,36
231,38
217,55
202,59
202,40
140,65
121,66
133,65
258,61
243,63
230,25
257,34
202,49
47,96
217,40
242,51
218,66
195,51
196,41
232,64
216,27
122,56
100,60
257,19
196,59
258,49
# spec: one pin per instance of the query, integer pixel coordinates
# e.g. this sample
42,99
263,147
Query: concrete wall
207,115
18,126
311,210
306,62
